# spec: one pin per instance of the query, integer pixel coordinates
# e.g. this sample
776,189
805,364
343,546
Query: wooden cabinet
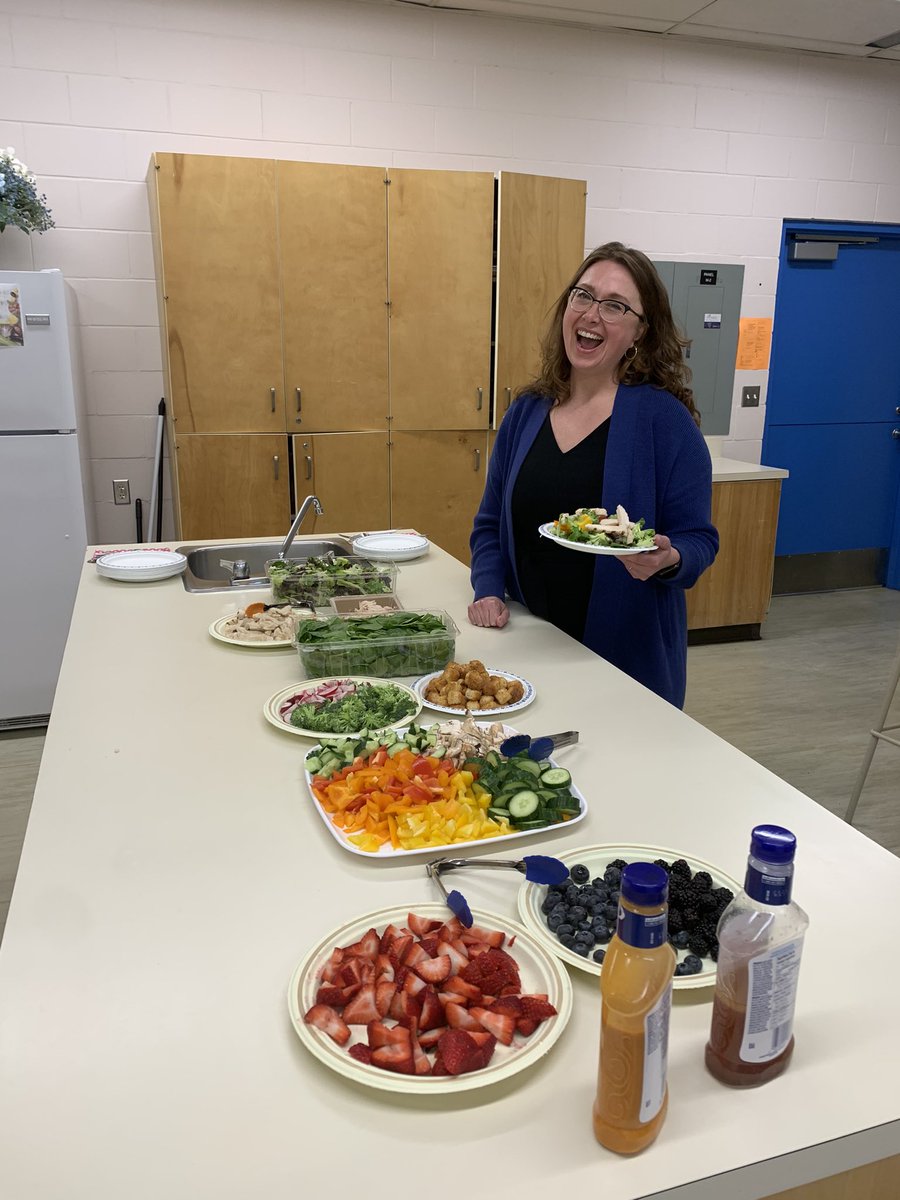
540,242
350,473
441,230
732,597
437,478
233,485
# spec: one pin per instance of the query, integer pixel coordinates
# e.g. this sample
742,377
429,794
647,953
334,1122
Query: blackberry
714,952
702,881
707,902
680,869
723,896
698,944
690,917
579,873
619,863
676,920
661,862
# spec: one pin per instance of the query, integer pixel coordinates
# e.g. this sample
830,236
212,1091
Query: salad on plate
596,527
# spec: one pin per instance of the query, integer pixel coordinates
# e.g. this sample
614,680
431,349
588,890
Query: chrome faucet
301,513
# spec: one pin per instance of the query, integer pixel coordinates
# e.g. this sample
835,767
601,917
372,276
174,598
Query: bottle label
771,993
769,887
656,1056
644,932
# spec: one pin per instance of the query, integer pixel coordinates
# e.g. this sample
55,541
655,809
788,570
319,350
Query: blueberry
680,940
613,896
582,948
602,933
564,928
584,937
611,912
598,956
548,905
580,873
553,923
566,940
571,894
693,964
611,876
598,883
619,863
681,969
577,913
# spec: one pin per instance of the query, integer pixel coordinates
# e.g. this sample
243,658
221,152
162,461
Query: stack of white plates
392,547
140,566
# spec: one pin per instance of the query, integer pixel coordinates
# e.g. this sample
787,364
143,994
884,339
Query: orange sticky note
754,343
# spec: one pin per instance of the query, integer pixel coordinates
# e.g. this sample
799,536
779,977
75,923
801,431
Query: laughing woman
611,421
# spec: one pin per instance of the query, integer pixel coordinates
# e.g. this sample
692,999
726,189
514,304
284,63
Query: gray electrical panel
706,304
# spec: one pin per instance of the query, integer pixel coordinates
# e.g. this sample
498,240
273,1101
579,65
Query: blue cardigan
658,468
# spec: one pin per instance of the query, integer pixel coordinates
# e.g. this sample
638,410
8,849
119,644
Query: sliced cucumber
538,824
498,814
493,758
556,777
313,765
528,765
396,748
523,805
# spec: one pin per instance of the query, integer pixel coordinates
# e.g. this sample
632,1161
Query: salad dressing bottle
760,942
636,987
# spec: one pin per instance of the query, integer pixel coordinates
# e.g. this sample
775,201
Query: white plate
546,530
539,972
597,859
272,705
215,630
391,547
387,851
423,681
140,566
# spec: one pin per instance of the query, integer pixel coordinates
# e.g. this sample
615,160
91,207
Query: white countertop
173,875
732,470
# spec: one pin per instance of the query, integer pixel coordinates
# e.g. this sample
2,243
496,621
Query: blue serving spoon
537,748
537,868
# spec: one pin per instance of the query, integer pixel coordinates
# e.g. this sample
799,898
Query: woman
610,421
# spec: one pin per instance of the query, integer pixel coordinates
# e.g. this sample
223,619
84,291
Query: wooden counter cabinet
437,480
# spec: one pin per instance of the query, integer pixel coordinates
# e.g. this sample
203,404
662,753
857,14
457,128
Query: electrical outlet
750,397
121,491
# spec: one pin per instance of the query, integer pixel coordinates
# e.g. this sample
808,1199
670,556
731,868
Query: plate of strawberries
412,1001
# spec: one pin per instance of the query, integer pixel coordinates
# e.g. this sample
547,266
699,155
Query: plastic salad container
315,580
397,643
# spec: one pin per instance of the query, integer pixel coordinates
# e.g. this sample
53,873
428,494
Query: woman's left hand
645,566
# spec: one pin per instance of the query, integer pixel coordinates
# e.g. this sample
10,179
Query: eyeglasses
610,310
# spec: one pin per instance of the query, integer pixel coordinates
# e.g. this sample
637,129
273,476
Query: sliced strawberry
413,983
433,970
324,1017
507,1004
431,1037
467,991
414,955
420,926
387,938
400,976
459,1052
384,968
399,947
430,945
350,972
361,1052
537,1008
501,1025
438,1067
329,971
485,1042
493,937
526,1026
432,1014
459,1018
367,946
406,1009
476,948
450,929
459,946
421,1061
394,1058
362,1008
384,994
492,971
457,960
329,993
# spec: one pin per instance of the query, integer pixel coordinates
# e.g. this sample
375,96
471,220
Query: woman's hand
645,566
489,611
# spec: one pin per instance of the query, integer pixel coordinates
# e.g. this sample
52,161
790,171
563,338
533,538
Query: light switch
750,397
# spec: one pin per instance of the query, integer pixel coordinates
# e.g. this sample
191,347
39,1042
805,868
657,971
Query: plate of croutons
472,687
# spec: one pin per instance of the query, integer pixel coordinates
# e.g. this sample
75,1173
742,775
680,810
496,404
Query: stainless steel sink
205,572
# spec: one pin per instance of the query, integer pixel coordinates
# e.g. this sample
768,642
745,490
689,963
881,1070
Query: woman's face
593,345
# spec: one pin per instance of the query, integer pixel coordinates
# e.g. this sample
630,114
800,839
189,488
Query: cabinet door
350,473
219,275
233,485
540,236
437,478
332,224
440,238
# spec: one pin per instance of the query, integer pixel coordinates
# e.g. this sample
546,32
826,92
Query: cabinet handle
299,394
508,396
272,394
477,460
275,464
479,392
308,459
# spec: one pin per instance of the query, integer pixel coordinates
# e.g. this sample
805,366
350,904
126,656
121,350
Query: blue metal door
833,403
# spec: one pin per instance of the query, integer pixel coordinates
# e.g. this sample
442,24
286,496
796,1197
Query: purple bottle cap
645,884
773,844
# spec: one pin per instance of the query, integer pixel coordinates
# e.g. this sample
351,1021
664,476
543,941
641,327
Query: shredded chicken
467,739
274,625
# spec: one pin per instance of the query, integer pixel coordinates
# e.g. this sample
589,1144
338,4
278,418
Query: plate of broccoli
341,706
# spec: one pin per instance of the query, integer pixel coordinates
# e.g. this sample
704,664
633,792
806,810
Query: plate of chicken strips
595,531
474,688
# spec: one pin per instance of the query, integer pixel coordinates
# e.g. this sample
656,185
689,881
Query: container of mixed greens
314,581
397,643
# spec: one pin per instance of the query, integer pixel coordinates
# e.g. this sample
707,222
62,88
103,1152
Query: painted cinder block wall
690,150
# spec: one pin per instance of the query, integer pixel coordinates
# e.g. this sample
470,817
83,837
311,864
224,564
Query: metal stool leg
875,738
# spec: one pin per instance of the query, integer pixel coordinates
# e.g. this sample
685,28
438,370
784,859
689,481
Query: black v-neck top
555,582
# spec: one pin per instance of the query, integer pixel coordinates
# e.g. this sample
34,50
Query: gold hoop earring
630,354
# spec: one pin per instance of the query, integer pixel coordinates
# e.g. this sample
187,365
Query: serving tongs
537,868
538,748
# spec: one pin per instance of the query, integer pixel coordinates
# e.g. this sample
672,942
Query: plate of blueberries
577,917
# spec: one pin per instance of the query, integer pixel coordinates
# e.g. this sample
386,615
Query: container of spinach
397,643
313,581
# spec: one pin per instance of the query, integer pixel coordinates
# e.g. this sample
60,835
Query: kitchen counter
733,470
174,874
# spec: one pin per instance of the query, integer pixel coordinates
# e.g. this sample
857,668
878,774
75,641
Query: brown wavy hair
659,358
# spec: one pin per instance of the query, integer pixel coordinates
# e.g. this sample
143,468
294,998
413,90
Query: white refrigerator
45,509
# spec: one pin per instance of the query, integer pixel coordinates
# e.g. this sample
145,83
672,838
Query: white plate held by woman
546,530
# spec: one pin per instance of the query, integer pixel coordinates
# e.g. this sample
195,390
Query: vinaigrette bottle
636,989
760,942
